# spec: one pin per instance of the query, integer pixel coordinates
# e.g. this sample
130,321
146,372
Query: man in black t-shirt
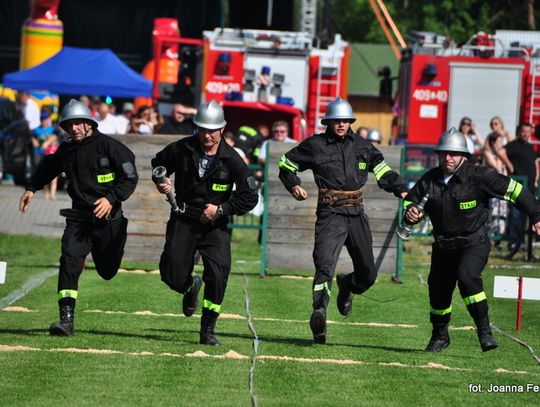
520,159
179,122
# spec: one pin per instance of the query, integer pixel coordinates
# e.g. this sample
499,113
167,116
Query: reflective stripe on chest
467,205
220,187
106,177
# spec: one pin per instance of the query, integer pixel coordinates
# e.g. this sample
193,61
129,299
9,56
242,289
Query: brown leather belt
335,197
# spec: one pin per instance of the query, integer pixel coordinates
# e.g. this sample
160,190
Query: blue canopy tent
81,71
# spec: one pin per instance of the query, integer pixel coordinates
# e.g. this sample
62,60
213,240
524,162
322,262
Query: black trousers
332,232
450,267
183,238
106,242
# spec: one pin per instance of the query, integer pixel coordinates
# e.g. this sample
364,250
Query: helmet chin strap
462,160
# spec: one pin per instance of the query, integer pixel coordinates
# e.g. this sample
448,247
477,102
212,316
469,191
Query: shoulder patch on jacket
252,183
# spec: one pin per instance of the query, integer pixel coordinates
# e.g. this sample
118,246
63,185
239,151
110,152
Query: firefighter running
340,162
205,168
459,194
101,174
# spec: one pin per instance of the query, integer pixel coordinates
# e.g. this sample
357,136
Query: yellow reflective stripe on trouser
441,311
287,164
513,191
67,294
321,287
471,299
211,306
381,169
106,177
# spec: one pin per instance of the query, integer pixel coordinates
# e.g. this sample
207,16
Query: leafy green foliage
459,20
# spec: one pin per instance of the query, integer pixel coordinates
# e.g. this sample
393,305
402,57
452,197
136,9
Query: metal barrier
255,221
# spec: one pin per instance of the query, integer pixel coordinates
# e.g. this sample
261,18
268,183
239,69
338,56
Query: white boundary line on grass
231,354
251,326
28,286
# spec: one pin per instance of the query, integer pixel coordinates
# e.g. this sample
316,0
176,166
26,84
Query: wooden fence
290,231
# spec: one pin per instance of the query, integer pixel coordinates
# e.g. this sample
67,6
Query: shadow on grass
27,332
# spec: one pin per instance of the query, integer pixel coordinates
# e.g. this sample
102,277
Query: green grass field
133,347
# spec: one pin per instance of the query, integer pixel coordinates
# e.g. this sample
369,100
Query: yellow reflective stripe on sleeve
407,203
513,191
321,287
441,311
220,187
67,294
211,306
471,299
250,131
381,169
287,164
106,177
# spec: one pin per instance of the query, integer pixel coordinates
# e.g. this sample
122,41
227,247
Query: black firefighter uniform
459,211
185,233
98,166
340,168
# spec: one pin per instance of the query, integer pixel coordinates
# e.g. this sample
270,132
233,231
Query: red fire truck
438,84
259,76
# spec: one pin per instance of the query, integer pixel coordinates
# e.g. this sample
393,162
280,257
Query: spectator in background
520,160
95,101
362,132
498,207
29,108
107,123
141,122
474,140
17,148
280,133
498,131
179,122
264,131
86,100
124,119
156,120
229,138
45,142
374,137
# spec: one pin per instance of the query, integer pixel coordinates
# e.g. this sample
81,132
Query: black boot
345,295
317,323
439,338
208,324
479,313
64,327
191,297
487,342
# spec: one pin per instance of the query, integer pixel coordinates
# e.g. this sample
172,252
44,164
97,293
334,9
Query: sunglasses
467,123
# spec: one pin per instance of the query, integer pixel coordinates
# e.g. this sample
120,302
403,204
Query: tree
459,20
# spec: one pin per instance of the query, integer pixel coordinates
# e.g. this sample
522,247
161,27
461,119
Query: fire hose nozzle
159,175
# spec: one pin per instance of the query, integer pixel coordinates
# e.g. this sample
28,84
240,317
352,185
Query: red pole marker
519,303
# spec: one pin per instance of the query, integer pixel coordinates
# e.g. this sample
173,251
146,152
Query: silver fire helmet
454,141
374,135
210,116
338,109
76,110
